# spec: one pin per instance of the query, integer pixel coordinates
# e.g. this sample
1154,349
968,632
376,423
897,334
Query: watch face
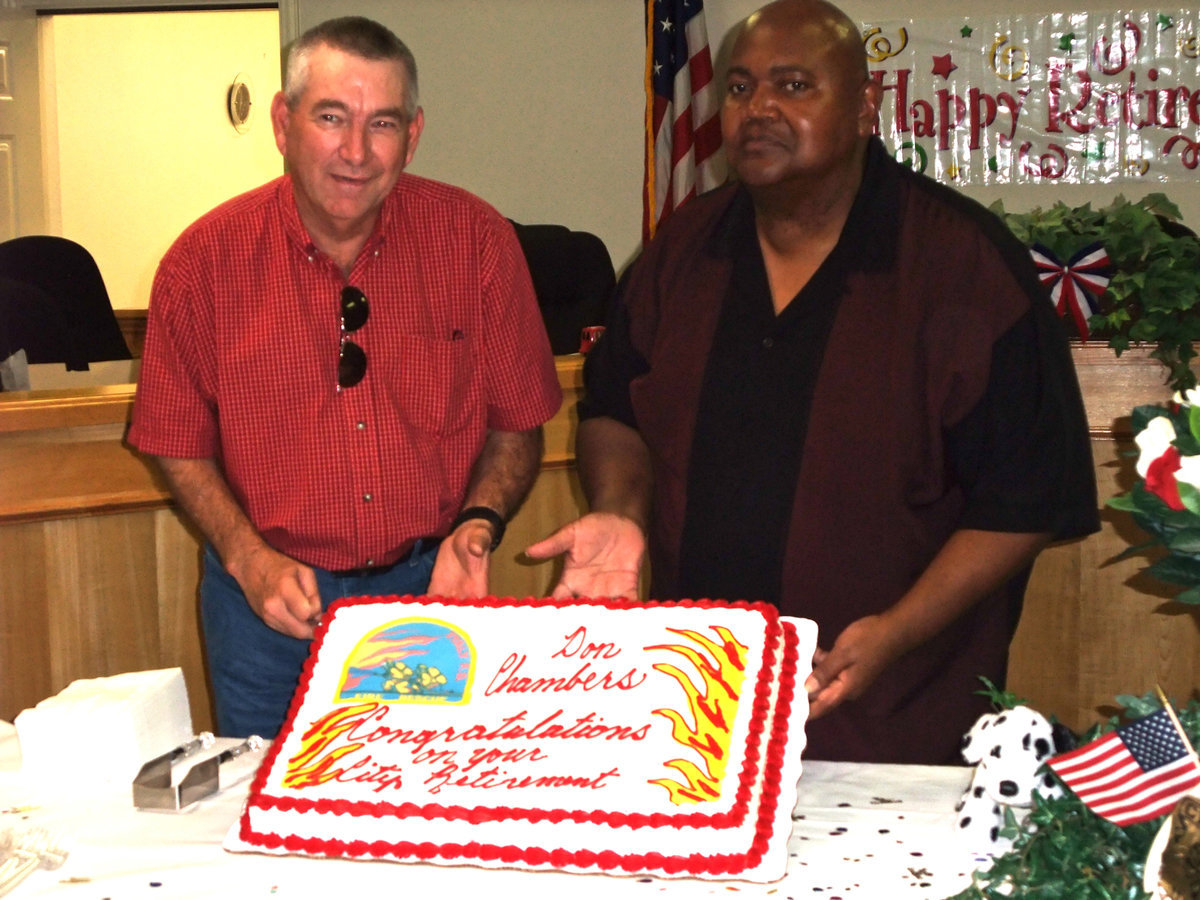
240,104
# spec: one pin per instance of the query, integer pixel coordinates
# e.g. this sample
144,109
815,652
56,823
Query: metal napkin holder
156,788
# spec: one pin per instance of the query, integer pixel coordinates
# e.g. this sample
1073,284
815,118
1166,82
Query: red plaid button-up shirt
241,352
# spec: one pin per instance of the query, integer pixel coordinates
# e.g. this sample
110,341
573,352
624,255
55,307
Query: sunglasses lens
352,364
354,308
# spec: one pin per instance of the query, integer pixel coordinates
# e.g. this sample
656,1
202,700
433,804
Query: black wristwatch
488,515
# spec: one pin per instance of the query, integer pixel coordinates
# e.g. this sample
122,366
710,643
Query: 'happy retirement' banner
1081,97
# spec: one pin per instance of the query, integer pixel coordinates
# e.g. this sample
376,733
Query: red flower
1160,478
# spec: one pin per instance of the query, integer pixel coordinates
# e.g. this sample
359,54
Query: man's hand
970,566
604,549
281,591
502,475
860,653
461,567
603,556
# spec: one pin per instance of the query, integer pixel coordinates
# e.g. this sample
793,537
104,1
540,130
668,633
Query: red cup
589,336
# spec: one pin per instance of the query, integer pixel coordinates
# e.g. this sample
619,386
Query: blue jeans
255,669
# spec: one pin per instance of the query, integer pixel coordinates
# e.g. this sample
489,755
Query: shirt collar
294,228
293,225
869,229
871,226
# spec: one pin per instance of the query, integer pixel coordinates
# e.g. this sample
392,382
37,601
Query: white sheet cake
591,736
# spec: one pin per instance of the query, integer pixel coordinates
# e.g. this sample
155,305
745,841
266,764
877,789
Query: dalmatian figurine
1007,749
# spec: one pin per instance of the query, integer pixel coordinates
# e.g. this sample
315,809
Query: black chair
53,304
573,278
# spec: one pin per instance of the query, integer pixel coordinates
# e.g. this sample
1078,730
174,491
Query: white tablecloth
862,831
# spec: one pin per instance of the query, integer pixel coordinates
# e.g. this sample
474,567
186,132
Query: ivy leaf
1160,205
1123,502
1156,272
1176,570
1136,550
1190,498
1138,707
1187,540
1000,699
1141,416
1063,849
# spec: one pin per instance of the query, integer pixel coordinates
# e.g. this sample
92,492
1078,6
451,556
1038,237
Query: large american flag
683,126
1133,774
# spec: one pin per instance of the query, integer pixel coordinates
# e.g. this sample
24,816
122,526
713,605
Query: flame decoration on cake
713,711
311,765
420,660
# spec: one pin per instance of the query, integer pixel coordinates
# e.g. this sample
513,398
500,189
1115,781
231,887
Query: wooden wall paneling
1093,629
99,573
556,499
1046,641
1134,636
1067,591
24,628
1117,636
26,412
1115,616
133,328
1112,385
102,596
177,568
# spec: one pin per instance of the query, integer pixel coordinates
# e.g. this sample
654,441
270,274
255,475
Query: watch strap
487,514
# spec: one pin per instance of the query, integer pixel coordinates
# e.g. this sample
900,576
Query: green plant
1000,699
1165,500
1154,294
1064,850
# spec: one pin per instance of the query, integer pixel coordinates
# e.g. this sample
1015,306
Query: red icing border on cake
698,864
731,819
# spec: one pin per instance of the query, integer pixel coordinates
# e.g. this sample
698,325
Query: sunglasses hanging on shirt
352,360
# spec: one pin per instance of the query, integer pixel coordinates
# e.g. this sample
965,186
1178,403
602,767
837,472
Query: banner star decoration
1064,42
943,66
1093,152
1165,22
966,31
1076,286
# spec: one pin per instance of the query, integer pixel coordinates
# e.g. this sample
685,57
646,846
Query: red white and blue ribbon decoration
1076,286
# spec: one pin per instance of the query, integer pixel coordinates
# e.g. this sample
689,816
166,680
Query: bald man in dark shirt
836,386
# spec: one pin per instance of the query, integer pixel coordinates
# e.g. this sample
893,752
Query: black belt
419,546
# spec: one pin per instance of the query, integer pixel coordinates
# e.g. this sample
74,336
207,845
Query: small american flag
683,125
1132,774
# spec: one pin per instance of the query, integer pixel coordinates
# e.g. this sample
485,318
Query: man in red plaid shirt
345,374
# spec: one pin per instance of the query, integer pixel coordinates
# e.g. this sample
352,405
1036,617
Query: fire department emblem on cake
410,660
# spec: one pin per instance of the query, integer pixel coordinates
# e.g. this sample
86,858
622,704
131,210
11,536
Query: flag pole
1178,725
649,189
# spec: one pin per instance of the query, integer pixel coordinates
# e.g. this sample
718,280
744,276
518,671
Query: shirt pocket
434,389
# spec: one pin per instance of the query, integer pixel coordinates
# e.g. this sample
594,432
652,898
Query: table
861,831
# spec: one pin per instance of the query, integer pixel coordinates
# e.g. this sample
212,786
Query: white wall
532,104
537,105
136,137
22,210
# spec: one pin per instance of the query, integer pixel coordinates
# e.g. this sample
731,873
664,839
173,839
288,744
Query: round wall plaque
240,104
